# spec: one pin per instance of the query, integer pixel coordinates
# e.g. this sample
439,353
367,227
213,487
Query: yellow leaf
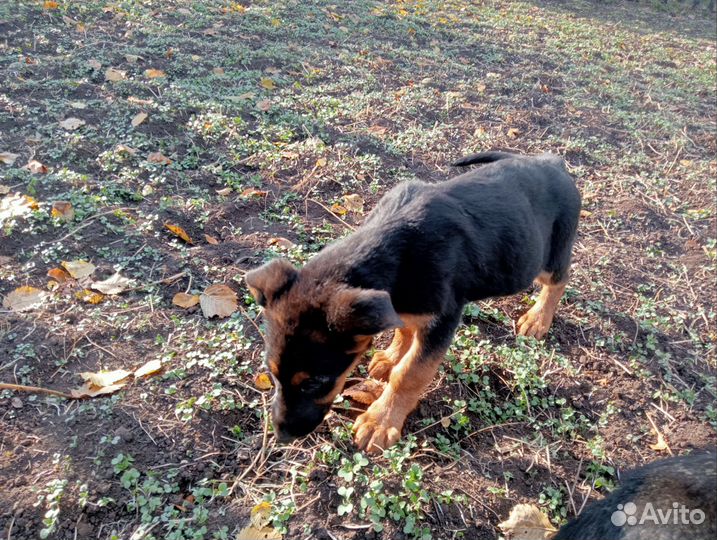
23,299
63,210
336,208
89,390
267,83
185,300
158,157
49,4
321,162
114,75
513,133
218,300
139,118
88,296
661,444
527,522
78,269
35,167
262,381
8,158
281,242
178,231
16,205
585,213
150,368
72,123
105,378
154,73
353,203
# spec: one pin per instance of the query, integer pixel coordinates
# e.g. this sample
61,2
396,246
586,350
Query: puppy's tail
483,157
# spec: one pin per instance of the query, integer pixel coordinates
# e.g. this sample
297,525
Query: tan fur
537,320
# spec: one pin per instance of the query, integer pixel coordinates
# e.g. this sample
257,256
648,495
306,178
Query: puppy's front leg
380,426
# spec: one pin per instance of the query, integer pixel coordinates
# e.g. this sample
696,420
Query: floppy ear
270,281
362,312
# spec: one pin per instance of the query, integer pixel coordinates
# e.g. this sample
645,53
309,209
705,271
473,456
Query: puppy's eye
314,385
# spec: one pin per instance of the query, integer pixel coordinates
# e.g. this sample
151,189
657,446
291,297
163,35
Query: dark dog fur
689,480
422,254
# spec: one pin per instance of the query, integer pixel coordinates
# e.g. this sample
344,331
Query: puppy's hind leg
537,320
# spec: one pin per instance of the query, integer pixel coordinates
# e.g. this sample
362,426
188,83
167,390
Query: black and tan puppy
422,254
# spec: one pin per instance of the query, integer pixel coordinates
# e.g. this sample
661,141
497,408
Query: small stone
16,402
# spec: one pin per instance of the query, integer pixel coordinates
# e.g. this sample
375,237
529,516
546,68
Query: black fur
689,480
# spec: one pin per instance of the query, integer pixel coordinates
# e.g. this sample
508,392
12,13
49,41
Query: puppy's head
316,332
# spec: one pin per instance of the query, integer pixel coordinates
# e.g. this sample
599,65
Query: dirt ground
270,129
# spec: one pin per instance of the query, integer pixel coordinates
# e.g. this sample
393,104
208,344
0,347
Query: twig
333,215
34,390
88,222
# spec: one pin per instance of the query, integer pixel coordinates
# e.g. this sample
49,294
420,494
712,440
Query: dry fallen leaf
321,162
585,213
224,191
253,192
262,381
8,158
218,300
139,118
124,149
377,130
281,242
63,210
114,75
176,230
78,269
513,133
211,240
365,392
115,284
94,64
150,368
158,157
259,527
105,378
353,203
527,522
336,208
16,205
132,58
185,300
72,123
88,390
35,167
218,71
267,83
59,274
661,444
154,73
89,296
4,190
23,299
264,105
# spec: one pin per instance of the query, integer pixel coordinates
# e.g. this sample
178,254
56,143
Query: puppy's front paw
380,366
376,430
534,323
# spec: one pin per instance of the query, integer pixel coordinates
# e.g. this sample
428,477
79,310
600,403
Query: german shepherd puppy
422,254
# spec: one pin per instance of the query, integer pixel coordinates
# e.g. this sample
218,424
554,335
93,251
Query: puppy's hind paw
534,323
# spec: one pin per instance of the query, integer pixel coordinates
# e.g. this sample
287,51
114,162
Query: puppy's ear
361,311
270,281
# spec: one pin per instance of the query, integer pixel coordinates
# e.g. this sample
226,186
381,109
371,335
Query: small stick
333,215
34,390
